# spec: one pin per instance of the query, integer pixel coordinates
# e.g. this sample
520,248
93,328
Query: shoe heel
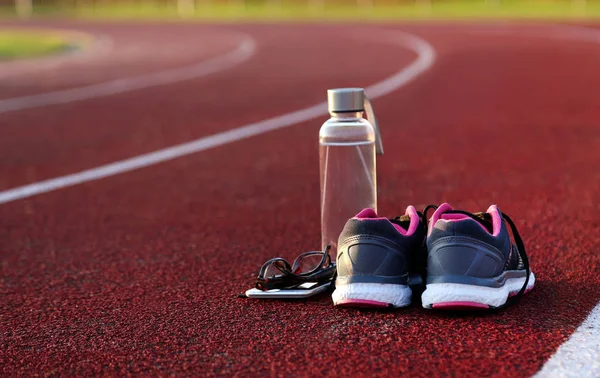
460,296
371,295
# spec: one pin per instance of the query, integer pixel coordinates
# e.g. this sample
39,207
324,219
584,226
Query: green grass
267,12
263,10
17,44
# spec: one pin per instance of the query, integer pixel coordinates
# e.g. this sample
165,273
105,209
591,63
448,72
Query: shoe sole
451,296
371,295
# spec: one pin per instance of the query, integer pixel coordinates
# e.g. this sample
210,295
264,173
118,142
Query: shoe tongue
402,218
482,217
486,221
402,221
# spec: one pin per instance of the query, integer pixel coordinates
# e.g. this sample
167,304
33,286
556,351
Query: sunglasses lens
274,269
307,263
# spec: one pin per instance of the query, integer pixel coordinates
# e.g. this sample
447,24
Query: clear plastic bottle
347,147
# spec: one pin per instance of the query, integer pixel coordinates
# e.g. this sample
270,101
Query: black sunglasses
312,266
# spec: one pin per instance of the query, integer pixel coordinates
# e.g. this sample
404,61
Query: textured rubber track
139,273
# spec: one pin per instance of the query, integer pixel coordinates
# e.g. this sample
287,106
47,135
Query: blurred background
302,9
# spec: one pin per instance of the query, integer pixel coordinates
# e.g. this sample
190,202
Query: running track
138,272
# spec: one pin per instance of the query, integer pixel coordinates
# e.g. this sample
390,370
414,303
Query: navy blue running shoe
472,262
376,257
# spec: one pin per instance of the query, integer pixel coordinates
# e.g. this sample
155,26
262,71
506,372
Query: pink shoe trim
460,218
451,216
414,222
496,219
367,213
370,214
437,214
362,303
440,214
459,305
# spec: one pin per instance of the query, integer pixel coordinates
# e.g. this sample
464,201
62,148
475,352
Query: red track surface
139,273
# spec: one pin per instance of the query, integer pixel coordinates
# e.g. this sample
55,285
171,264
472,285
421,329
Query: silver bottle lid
354,100
345,100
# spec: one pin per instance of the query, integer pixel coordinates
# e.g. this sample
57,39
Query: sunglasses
312,266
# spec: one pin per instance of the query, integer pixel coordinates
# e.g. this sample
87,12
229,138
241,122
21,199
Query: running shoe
375,258
472,262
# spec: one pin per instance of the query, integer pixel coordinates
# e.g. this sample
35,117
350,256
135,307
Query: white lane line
579,356
426,58
243,52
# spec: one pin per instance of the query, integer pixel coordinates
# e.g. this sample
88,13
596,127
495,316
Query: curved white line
426,58
243,52
93,45
89,46
100,46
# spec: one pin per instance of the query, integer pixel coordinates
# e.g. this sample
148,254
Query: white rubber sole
460,295
371,295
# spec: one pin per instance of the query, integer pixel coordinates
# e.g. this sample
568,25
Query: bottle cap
341,100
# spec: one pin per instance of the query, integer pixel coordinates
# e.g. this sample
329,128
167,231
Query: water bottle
348,144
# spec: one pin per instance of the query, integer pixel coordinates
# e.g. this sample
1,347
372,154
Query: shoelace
425,210
523,254
518,240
